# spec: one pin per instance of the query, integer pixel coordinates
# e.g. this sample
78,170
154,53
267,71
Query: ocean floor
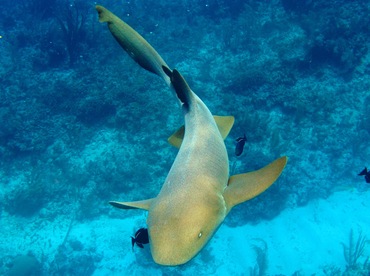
301,241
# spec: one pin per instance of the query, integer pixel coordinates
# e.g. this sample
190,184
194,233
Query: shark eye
200,235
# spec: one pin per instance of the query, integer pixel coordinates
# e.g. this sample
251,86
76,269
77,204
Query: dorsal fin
181,87
167,71
224,124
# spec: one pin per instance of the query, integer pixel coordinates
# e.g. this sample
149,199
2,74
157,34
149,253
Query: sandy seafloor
305,239
295,78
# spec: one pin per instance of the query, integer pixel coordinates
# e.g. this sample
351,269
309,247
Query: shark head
177,235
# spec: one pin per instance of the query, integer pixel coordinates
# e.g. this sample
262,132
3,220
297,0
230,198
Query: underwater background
82,124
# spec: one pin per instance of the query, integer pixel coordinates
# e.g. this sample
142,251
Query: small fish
141,237
366,173
240,145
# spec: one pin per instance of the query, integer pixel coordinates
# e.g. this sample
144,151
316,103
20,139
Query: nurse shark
198,192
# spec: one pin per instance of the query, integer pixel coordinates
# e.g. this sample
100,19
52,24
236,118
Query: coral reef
353,251
72,260
23,265
81,125
84,99
261,249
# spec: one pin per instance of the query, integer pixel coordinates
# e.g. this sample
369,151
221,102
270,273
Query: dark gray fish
240,145
141,237
365,173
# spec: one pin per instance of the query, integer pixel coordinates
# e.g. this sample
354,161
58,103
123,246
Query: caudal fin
104,14
133,43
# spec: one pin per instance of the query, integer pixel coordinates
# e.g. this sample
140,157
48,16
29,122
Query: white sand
303,239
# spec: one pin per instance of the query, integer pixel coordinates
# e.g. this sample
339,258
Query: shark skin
133,43
198,192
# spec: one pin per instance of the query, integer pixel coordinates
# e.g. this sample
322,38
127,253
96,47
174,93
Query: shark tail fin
224,124
243,187
142,204
104,14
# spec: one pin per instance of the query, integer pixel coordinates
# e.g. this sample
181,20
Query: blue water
83,124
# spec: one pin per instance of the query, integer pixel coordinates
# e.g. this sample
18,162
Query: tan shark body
198,192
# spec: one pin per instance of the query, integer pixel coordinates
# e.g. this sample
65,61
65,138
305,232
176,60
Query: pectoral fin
142,204
242,187
224,124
